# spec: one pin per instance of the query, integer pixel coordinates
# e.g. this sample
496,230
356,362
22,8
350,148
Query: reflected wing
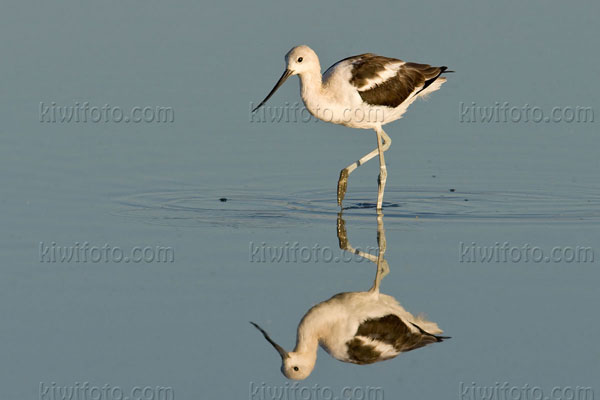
382,338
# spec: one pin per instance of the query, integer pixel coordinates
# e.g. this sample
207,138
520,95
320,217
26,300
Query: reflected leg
382,265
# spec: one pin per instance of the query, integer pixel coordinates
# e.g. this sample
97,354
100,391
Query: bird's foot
342,186
341,232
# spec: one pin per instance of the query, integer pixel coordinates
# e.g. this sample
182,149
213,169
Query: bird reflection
356,327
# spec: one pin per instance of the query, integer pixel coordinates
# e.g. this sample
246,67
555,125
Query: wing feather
394,331
384,81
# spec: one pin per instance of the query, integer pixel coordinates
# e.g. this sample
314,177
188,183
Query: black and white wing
383,81
379,339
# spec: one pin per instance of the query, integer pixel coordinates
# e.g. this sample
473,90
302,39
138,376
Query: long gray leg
381,138
345,244
343,180
383,267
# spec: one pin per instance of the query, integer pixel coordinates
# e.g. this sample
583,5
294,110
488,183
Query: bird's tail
432,84
424,332
441,338
428,326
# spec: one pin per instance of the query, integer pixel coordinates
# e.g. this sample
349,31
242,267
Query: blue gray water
184,324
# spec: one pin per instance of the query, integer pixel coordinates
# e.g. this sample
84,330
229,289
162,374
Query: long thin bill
277,347
287,73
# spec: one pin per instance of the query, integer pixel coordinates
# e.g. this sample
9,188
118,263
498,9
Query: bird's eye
300,59
296,368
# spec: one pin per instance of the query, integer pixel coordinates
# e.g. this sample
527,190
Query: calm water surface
455,189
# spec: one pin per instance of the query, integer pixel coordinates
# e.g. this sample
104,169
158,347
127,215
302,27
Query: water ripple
252,208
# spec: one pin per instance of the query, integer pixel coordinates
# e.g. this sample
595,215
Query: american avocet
356,327
365,91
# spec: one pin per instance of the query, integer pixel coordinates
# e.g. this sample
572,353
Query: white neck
306,343
310,85
309,333
306,350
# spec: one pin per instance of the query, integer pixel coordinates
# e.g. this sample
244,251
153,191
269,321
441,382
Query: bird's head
297,366
294,365
298,60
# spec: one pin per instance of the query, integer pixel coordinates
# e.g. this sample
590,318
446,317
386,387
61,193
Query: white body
366,91
332,98
356,327
335,321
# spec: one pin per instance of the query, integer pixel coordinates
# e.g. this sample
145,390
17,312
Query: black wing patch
395,90
360,353
367,67
393,331
354,60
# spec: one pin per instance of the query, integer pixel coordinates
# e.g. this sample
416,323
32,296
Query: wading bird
365,91
356,327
